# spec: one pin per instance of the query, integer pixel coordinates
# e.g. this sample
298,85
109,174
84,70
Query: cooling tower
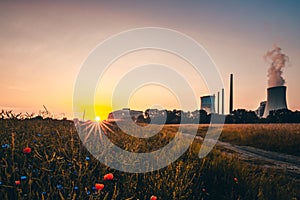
261,109
208,104
276,99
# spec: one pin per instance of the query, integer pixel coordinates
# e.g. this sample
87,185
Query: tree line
239,116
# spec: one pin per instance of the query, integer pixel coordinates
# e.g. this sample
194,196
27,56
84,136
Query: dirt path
259,157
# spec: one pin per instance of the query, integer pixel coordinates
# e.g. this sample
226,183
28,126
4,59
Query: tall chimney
222,101
231,94
218,104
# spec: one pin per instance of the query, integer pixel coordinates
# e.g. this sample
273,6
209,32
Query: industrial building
276,99
208,103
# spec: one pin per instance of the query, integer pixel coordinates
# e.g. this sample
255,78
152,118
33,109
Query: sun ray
94,128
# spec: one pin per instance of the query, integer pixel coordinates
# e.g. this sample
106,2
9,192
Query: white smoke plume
278,61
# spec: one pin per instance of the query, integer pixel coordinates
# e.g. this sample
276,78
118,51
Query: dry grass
58,164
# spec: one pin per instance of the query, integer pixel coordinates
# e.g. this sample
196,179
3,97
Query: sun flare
97,118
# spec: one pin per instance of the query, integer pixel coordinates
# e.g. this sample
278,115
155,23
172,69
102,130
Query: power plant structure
218,103
222,101
261,109
276,99
210,106
276,92
231,94
208,103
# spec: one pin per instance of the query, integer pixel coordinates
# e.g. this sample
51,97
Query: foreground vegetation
282,138
59,167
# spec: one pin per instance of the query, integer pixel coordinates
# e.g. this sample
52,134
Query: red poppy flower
99,186
17,182
27,150
153,197
109,176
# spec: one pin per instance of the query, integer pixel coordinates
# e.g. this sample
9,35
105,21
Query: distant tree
155,116
283,116
240,116
141,119
38,118
173,117
203,117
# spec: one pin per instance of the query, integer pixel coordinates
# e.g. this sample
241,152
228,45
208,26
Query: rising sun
97,118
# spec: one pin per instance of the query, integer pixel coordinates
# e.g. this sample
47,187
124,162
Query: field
59,167
283,138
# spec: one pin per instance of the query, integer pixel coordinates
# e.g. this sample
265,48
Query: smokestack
218,104
231,94
276,99
222,101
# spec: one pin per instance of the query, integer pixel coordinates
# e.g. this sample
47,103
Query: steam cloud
278,61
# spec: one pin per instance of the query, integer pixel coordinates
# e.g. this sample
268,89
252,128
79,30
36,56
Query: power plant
222,101
276,99
231,94
208,103
276,92
261,109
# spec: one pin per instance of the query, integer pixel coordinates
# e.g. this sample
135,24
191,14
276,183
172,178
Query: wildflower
153,197
99,186
59,186
203,190
27,150
235,179
0,183
76,188
109,176
17,182
88,192
23,178
5,146
87,158
39,135
44,193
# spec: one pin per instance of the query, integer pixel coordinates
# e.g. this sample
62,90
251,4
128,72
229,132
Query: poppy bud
27,150
109,176
153,197
99,186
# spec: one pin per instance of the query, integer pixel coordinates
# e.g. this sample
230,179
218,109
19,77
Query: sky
45,43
